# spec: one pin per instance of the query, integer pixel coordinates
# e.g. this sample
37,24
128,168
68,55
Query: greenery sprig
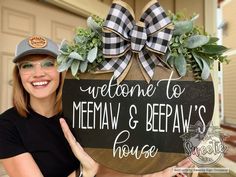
191,49
85,52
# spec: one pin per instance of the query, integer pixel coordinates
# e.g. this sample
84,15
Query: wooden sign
135,127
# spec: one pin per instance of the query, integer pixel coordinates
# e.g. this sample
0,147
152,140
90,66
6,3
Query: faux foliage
85,52
191,49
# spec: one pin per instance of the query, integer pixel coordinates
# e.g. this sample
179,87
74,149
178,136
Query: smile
42,83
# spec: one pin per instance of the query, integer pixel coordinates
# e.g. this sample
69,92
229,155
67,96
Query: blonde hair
21,97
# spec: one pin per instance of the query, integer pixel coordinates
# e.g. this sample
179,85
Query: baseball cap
35,44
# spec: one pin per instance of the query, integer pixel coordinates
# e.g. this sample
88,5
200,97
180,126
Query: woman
32,143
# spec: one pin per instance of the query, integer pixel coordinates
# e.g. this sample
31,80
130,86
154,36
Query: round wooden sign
135,127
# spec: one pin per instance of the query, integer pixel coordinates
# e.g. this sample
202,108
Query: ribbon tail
148,61
125,72
101,71
145,75
118,65
163,62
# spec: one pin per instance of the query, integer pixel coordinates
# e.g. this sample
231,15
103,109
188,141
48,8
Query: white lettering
124,150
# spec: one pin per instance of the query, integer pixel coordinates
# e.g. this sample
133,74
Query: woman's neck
45,107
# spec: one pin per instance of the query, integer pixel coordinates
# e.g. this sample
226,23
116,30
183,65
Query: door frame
82,7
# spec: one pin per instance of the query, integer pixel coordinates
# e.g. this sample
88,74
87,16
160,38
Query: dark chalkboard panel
133,125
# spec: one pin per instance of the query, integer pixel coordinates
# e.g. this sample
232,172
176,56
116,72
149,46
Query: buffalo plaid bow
148,38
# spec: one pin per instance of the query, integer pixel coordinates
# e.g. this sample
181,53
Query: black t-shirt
40,136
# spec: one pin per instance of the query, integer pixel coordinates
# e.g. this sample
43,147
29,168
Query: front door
21,18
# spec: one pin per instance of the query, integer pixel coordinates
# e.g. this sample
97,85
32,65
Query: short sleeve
10,141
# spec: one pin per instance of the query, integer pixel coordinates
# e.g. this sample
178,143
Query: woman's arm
89,166
73,174
22,165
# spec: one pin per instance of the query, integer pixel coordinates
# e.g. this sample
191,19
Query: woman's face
39,76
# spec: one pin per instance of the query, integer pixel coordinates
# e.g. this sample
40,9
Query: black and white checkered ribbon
148,38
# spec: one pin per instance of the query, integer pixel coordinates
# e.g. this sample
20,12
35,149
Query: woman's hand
90,167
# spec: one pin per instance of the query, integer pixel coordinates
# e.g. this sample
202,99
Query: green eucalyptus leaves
191,49
85,53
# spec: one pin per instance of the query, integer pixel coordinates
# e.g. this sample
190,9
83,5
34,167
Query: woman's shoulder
10,114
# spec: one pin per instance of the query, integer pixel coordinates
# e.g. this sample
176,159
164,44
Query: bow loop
114,45
120,20
122,37
158,42
154,17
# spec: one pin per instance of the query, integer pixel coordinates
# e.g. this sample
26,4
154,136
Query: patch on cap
37,42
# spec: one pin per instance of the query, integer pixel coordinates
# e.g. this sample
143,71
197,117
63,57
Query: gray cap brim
34,51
